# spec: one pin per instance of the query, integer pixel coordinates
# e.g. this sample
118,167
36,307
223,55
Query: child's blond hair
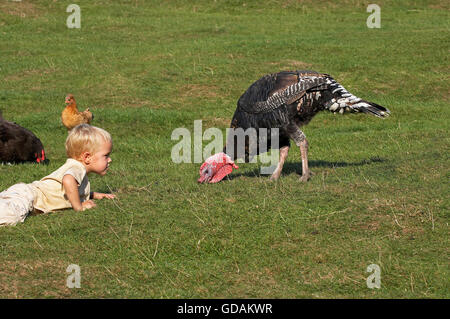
85,138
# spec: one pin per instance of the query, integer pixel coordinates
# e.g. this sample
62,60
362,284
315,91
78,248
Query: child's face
99,161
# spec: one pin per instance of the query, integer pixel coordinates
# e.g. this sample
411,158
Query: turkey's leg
283,154
300,140
306,173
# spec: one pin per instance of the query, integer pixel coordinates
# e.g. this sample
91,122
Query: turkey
286,101
19,145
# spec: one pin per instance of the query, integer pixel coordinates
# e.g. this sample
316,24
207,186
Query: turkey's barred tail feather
372,108
344,101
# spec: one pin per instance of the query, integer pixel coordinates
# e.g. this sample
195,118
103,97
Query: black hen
288,100
19,145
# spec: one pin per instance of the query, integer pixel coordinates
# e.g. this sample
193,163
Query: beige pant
15,204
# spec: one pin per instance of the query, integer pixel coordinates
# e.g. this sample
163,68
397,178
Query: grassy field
380,194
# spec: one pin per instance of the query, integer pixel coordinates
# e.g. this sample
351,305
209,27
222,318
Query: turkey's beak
205,175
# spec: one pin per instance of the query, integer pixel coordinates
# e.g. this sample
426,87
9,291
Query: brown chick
71,117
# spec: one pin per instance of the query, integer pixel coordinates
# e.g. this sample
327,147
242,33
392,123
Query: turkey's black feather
294,97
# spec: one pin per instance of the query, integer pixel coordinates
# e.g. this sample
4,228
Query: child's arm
71,188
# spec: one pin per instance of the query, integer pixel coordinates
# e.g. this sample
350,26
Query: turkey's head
215,168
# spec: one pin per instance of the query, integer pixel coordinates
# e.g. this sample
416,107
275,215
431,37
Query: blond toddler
88,150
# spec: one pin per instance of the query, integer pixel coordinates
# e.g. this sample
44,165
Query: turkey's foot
275,176
306,176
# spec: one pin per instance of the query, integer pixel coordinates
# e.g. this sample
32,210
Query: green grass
380,190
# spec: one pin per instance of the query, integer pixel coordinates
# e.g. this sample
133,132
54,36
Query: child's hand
102,195
88,204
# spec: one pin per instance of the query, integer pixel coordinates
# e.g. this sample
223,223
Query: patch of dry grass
22,9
